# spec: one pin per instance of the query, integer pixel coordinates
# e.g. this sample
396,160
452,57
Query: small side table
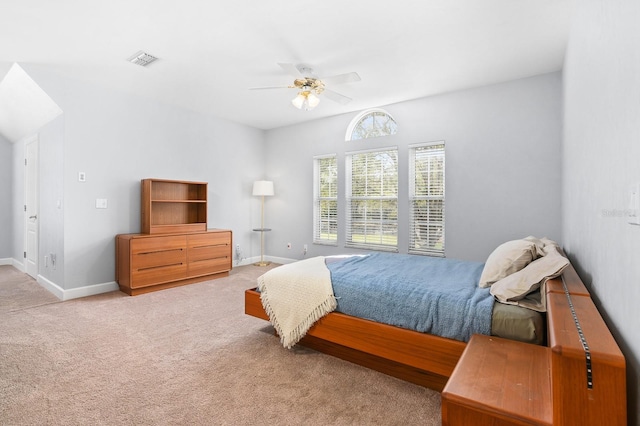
262,261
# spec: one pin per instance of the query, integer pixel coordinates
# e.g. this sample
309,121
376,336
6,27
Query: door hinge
24,254
25,161
25,207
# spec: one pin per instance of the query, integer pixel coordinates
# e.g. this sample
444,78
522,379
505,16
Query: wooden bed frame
550,381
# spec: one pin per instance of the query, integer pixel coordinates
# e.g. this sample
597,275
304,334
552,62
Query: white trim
365,151
280,260
13,262
319,157
421,144
75,293
51,287
356,120
31,268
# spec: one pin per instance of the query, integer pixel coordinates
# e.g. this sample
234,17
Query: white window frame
373,234
322,221
360,117
433,219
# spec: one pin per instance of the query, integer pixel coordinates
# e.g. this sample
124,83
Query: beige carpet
183,356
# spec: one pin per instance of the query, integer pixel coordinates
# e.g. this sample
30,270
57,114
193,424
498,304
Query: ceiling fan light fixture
312,100
298,101
305,100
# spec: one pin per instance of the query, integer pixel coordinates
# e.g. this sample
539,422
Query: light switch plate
633,212
101,203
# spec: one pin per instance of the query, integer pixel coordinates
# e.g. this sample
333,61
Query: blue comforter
431,295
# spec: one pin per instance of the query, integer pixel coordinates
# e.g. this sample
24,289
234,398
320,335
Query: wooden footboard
420,358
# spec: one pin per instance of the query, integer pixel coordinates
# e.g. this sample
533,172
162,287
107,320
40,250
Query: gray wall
600,161
117,139
503,145
6,175
51,188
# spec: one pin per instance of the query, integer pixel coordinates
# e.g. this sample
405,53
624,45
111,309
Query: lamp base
263,263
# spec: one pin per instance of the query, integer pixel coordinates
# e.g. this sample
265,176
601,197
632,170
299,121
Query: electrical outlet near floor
289,246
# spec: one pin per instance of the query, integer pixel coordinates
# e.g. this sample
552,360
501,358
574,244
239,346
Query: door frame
31,209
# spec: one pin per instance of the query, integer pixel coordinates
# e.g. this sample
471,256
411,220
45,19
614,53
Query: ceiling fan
309,86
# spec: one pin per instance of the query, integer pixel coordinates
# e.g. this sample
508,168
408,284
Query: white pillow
515,288
506,259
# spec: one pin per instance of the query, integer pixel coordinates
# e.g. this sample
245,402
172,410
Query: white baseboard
281,260
52,287
255,259
13,262
75,293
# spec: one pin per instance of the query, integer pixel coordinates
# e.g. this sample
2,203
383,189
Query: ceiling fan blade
290,69
269,87
336,97
349,77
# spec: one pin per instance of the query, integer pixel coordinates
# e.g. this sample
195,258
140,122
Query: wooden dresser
175,247
149,262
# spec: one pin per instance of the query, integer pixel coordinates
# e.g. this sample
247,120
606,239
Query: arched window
371,123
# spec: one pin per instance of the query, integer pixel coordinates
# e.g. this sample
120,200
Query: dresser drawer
209,266
158,274
158,259
158,244
147,262
209,246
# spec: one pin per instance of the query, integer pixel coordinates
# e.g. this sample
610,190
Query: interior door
31,206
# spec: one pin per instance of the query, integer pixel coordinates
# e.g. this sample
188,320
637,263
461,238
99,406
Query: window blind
325,204
426,198
372,200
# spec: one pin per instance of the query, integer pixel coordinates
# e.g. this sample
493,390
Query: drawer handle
161,266
160,251
210,245
211,258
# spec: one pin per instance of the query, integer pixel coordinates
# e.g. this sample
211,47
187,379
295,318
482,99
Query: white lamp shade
313,101
298,101
263,187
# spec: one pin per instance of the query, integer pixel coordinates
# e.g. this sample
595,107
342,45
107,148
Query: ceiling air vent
141,58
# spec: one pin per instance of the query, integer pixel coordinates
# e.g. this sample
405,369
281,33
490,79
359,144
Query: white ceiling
212,51
24,106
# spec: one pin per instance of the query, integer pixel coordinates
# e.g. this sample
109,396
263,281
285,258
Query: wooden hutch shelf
175,246
173,206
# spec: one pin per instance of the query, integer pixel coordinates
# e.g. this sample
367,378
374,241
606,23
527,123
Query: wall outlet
304,250
289,246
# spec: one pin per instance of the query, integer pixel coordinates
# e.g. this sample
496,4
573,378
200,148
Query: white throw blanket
295,296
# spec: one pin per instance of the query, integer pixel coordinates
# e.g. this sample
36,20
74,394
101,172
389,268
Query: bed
439,362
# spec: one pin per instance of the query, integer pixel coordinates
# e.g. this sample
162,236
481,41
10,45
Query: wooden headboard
587,367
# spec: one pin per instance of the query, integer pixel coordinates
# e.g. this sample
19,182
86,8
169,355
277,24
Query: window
371,123
325,200
372,200
426,197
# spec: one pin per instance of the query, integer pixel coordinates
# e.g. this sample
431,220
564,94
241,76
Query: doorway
31,207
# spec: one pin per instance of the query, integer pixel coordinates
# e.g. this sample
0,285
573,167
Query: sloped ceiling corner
24,106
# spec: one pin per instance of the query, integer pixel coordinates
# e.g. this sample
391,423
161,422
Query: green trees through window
371,123
372,200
